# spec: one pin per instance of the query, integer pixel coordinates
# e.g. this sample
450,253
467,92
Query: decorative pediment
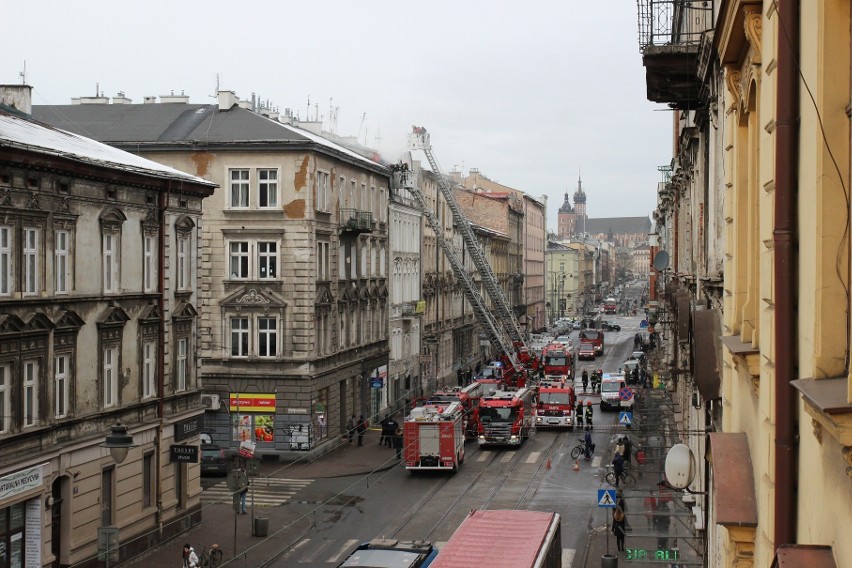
10,323
113,315
323,296
184,311
184,225
39,322
350,294
112,217
254,297
151,313
69,320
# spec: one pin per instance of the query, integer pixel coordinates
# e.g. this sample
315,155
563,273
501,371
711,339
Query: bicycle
580,450
210,558
627,479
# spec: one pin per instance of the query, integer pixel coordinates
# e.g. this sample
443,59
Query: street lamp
118,442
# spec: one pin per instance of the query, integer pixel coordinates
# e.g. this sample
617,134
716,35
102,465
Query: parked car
213,460
565,340
610,326
629,365
586,351
576,325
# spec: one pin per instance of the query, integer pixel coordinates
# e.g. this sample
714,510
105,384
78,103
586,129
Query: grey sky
529,92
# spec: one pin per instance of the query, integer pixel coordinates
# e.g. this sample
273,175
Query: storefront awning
735,504
803,556
707,331
682,302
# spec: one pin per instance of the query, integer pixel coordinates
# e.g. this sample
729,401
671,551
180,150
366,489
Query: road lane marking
533,457
482,456
344,549
507,457
568,557
596,461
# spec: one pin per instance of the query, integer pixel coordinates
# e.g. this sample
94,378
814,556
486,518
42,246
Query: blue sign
606,498
625,418
376,383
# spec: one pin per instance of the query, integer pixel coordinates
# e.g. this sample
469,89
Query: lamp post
119,442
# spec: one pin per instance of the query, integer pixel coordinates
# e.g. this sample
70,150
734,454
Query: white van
611,386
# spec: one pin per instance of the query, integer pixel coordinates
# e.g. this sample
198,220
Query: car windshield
499,414
611,386
555,361
211,453
554,398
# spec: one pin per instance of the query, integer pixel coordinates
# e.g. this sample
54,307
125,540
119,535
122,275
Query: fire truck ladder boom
499,340
420,140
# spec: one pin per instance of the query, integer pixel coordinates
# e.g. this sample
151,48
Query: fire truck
555,405
433,437
610,306
558,360
506,417
469,398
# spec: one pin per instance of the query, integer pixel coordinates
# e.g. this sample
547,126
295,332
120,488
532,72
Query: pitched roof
618,225
24,134
176,123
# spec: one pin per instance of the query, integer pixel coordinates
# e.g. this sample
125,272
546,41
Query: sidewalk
219,524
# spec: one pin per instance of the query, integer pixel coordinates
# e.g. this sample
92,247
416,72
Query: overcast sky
532,93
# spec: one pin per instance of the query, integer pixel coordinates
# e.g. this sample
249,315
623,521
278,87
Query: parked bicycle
210,557
627,478
580,450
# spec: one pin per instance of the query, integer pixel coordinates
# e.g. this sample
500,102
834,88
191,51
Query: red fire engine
469,397
558,360
505,417
433,437
555,406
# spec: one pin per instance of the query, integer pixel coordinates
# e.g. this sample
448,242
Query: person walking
243,496
190,559
350,428
628,450
589,413
361,428
589,445
578,413
585,380
384,438
392,428
397,443
617,467
618,527
621,502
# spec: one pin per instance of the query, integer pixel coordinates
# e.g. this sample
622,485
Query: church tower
565,219
580,207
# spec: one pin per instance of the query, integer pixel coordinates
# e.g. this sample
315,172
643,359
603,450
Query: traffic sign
606,498
625,394
625,418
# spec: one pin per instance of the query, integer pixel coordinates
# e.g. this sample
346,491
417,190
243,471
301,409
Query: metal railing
673,22
356,219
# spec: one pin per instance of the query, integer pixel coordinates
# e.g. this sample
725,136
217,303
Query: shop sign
183,454
20,482
252,402
187,428
297,411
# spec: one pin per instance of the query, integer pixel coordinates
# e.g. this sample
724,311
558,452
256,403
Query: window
5,261
31,261
62,265
322,191
239,263
60,384
107,479
149,268
239,337
148,476
149,369
239,196
180,367
110,254
183,257
5,397
110,376
267,337
267,187
30,393
267,260
323,260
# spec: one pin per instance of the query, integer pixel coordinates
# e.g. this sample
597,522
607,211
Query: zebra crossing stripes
263,492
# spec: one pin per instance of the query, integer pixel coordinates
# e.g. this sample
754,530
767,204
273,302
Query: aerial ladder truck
499,323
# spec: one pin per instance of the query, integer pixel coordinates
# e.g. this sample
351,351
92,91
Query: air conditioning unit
210,401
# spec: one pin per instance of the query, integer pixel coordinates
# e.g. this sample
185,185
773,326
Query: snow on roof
326,142
17,132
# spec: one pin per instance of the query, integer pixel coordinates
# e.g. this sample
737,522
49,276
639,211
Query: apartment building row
309,290
753,291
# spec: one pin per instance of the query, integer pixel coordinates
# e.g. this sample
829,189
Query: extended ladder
419,140
498,339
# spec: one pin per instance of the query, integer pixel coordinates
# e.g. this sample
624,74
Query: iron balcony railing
356,220
673,22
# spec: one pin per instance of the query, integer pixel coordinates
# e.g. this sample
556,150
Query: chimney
245,104
94,100
17,97
149,100
120,99
227,99
173,98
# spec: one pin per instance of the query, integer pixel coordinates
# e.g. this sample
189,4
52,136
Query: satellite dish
661,260
680,466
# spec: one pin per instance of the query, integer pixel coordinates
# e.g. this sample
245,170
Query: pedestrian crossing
263,492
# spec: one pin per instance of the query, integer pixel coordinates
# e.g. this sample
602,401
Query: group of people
622,457
358,426
582,411
595,380
391,435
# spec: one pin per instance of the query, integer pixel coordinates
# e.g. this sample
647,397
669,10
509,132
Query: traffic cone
547,466
576,466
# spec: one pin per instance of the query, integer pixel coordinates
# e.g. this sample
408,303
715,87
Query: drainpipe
163,203
786,191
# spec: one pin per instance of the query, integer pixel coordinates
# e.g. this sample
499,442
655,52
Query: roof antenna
23,74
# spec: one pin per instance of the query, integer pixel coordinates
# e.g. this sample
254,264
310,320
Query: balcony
670,38
356,221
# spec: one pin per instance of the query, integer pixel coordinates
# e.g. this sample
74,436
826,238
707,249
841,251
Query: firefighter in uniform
589,413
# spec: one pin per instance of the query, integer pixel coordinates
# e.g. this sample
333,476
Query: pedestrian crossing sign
625,418
606,498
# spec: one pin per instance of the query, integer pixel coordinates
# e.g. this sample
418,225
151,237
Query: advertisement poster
263,431
257,428
242,427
